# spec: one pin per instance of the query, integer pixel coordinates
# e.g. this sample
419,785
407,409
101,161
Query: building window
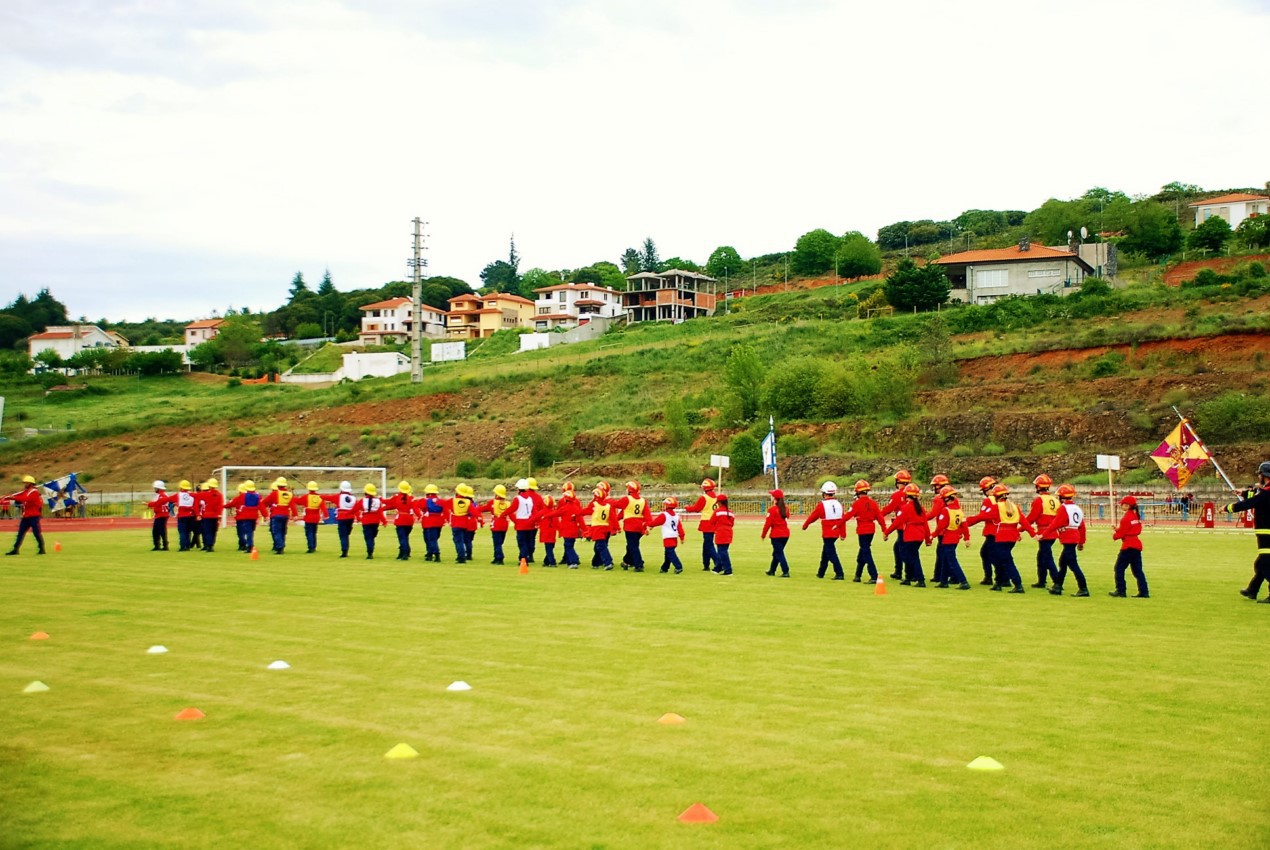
561,296
991,278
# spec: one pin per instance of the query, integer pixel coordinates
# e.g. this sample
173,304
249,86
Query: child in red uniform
548,531
833,527
345,504
186,510
724,523
282,508
369,510
1041,515
499,509
1009,520
1069,526
601,513
404,521
705,506
464,514
211,504
246,507
311,510
910,522
1128,533
951,528
867,516
902,479
568,517
937,484
672,534
162,509
988,549
776,526
633,511
432,518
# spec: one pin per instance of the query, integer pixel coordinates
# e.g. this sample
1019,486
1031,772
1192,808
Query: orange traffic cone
879,589
524,567
698,813
57,547
255,555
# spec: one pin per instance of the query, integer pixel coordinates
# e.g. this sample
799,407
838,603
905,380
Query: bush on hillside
465,468
1235,417
746,454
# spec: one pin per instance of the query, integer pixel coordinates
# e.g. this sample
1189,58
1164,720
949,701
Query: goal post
327,478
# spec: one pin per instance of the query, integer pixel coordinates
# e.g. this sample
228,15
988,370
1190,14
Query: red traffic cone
879,589
57,547
524,567
255,555
698,813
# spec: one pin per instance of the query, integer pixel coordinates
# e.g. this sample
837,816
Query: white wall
377,365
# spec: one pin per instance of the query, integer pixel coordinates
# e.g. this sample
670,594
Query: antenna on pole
417,265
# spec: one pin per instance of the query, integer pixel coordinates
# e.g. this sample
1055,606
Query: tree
13,330
236,341
298,287
814,252
326,287
1050,223
746,456
1254,231
499,276
681,264
743,374
1212,235
308,330
49,358
513,259
916,287
857,256
648,260
1152,230
631,262
724,262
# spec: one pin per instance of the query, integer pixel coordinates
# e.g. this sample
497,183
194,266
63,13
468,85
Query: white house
201,331
981,277
389,322
568,305
1234,208
69,340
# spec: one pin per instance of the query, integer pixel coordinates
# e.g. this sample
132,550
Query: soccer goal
327,478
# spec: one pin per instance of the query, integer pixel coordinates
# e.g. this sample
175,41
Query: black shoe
1141,596
998,588
1017,590
896,576
965,585
784,575
986,581
919,584
1119,594
871,581
157,549
1056,591
839,578
609,568
1247,594
942,585
771,572
677,572
905,582
705,569
1265,601
818,575
12,552
343,554
1039,584
856,579
1081,592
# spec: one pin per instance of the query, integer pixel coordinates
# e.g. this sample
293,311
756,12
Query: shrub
790,387
1235,417
494,471
343,450
747,456
681,471
992,450
465,468
1053,447
233,383
1111,363
795,445
961,450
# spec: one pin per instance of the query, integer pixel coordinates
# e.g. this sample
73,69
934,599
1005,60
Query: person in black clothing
1257,499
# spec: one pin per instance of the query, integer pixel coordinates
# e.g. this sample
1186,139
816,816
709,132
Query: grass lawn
817,715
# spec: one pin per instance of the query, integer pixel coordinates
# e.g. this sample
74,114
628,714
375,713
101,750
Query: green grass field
817,715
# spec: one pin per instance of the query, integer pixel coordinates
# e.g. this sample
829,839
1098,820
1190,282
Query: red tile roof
205,323
1229,199
53,335
1005,255
390,304
590,301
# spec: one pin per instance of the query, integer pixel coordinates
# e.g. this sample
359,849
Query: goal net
327,478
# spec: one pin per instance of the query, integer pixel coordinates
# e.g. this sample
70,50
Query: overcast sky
169,158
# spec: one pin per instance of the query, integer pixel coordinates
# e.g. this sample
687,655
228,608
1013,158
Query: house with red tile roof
69,340
1234,208
390,322
479,315
568,305
981,277
201,331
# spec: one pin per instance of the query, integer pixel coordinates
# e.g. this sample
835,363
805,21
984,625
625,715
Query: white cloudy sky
169,158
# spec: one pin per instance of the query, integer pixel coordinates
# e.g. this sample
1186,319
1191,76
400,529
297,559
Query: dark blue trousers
633,556
209,527
911,551
246,529
864,557
988,552
370,531
184,532
1130,559
829,555
159,532
602,558
278,531
671,559
1003,562
952,567
497,538
571,558
525,543
707,549
403,541
31,524
1045,566
344,528
778,556
310,536
549,554
1067,561
723,559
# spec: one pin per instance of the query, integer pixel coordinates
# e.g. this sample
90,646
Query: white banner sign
721,461
1111,462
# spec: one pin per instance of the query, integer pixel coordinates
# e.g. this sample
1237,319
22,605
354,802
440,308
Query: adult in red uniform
32,505
162,510
211,504
776,528
833,527
1041,515
1128,532
705,507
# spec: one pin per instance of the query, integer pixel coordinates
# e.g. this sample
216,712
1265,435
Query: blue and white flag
63,488
769,447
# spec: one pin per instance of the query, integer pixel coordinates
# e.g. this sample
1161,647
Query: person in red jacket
464,515
568,516
186,515
724,523
600,528
282,508
705,507
527,507
499,509
246,507
1069,526
867,516
776,528
833,527
937,484
369,511
211,504
1041,515
548,531
162,510
432,518
632,510
672,534
1009,520
404,519
951,528
988,549
312,506
1129,532
345,504
914,531
902,479
32,505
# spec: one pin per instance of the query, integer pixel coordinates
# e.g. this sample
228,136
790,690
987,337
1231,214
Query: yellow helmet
312,485
184,485
242,487
280,483
500,491
532,482
370,490
431,490
404,487
212,484
28,479
465,491
249,486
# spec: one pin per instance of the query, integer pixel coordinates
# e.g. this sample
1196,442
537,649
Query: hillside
1045,392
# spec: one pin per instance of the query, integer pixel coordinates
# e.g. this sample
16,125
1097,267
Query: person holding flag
1257,500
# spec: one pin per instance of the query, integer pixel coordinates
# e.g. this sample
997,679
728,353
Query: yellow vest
1049,504
600,514
285,497
500,506
1008,513
955,519
707,511
634,508
462,505
313,501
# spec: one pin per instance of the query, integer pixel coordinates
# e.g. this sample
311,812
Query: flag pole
776,473
1187,425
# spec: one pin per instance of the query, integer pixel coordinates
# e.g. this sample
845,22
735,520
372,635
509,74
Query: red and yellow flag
1180,455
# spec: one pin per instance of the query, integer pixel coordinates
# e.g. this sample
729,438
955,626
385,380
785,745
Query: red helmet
632,486
1000,491
567,487
1066,491
708,484
1130,501
603,485
671,502
1043,481
863,486
903,476
939,481
776,494
947,491
912,490
722,498
987,482
599,493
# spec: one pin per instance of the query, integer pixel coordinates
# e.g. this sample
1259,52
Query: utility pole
417,264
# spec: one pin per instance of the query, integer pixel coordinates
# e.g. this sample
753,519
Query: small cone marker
985,763
670,719
40,636
879,589
57,547
524,567
459,686
35,688
255,555
189,714
279,665
156,650
402,751
698,813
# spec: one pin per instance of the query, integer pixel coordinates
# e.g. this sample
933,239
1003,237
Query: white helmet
346,487
828,488
159,485
522,484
